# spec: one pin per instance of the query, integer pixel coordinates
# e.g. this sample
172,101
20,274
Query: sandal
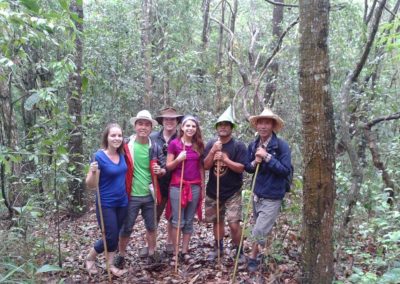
90,266
117,272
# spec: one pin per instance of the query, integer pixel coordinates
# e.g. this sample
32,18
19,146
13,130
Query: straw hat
226,116
143,114
267,113
168,112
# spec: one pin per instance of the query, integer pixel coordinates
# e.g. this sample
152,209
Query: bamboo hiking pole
103,230
155,181
179,215
218,232
244,224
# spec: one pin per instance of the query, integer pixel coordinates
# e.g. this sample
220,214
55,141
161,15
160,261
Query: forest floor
77,236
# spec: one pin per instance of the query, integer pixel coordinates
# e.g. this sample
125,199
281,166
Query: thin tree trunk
319,137
206,23
376,158
75,146
5,131
357,174
201,71
272,75
146,52
229,74
218,74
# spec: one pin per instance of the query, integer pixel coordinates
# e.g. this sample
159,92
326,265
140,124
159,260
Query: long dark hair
197,140
104,136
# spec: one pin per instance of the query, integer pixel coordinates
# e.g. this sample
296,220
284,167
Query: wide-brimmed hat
267,113
168,112
226,116
143,114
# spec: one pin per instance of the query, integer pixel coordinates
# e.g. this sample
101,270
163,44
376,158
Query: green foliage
376,246
37,55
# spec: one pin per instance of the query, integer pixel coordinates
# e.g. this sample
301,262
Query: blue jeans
187,214
113,220
137,203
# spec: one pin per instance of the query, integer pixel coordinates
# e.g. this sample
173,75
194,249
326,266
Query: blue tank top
112,180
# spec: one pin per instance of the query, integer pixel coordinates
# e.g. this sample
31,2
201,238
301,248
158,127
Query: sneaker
119,261
252,265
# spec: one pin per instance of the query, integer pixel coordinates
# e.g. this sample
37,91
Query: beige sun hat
143,114
268,113
168,112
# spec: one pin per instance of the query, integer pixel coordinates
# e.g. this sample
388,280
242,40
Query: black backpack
289,178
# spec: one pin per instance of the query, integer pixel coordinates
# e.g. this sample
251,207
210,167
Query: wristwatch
268,158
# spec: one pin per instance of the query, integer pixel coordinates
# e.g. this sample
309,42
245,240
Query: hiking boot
151,259
242,258
213,255
252,265
119,261
169,249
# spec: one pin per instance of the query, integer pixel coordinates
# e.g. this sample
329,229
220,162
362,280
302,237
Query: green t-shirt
141,172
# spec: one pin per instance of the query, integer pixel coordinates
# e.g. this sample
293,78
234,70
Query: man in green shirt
142,156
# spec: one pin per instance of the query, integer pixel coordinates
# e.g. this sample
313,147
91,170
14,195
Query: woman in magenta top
188,147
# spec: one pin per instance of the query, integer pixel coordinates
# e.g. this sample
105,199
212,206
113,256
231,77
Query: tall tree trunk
146,52
272,74
319,138
218,74
75,147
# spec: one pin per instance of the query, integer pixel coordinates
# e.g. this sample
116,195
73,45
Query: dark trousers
113,220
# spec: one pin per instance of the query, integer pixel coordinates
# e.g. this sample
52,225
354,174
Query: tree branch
282,4
368,16
372,123
276,49
353,76
242,69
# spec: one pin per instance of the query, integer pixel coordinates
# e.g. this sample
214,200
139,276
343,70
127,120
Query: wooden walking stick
179,215
103,230
218,232
244,224
156,200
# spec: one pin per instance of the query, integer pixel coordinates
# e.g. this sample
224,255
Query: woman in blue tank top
107,171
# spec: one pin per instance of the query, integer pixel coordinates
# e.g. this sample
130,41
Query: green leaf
76,18
31,101
64,4
49,268
15,269
31,5
391,276
85,81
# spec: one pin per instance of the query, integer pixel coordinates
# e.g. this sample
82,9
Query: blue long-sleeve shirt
271,178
